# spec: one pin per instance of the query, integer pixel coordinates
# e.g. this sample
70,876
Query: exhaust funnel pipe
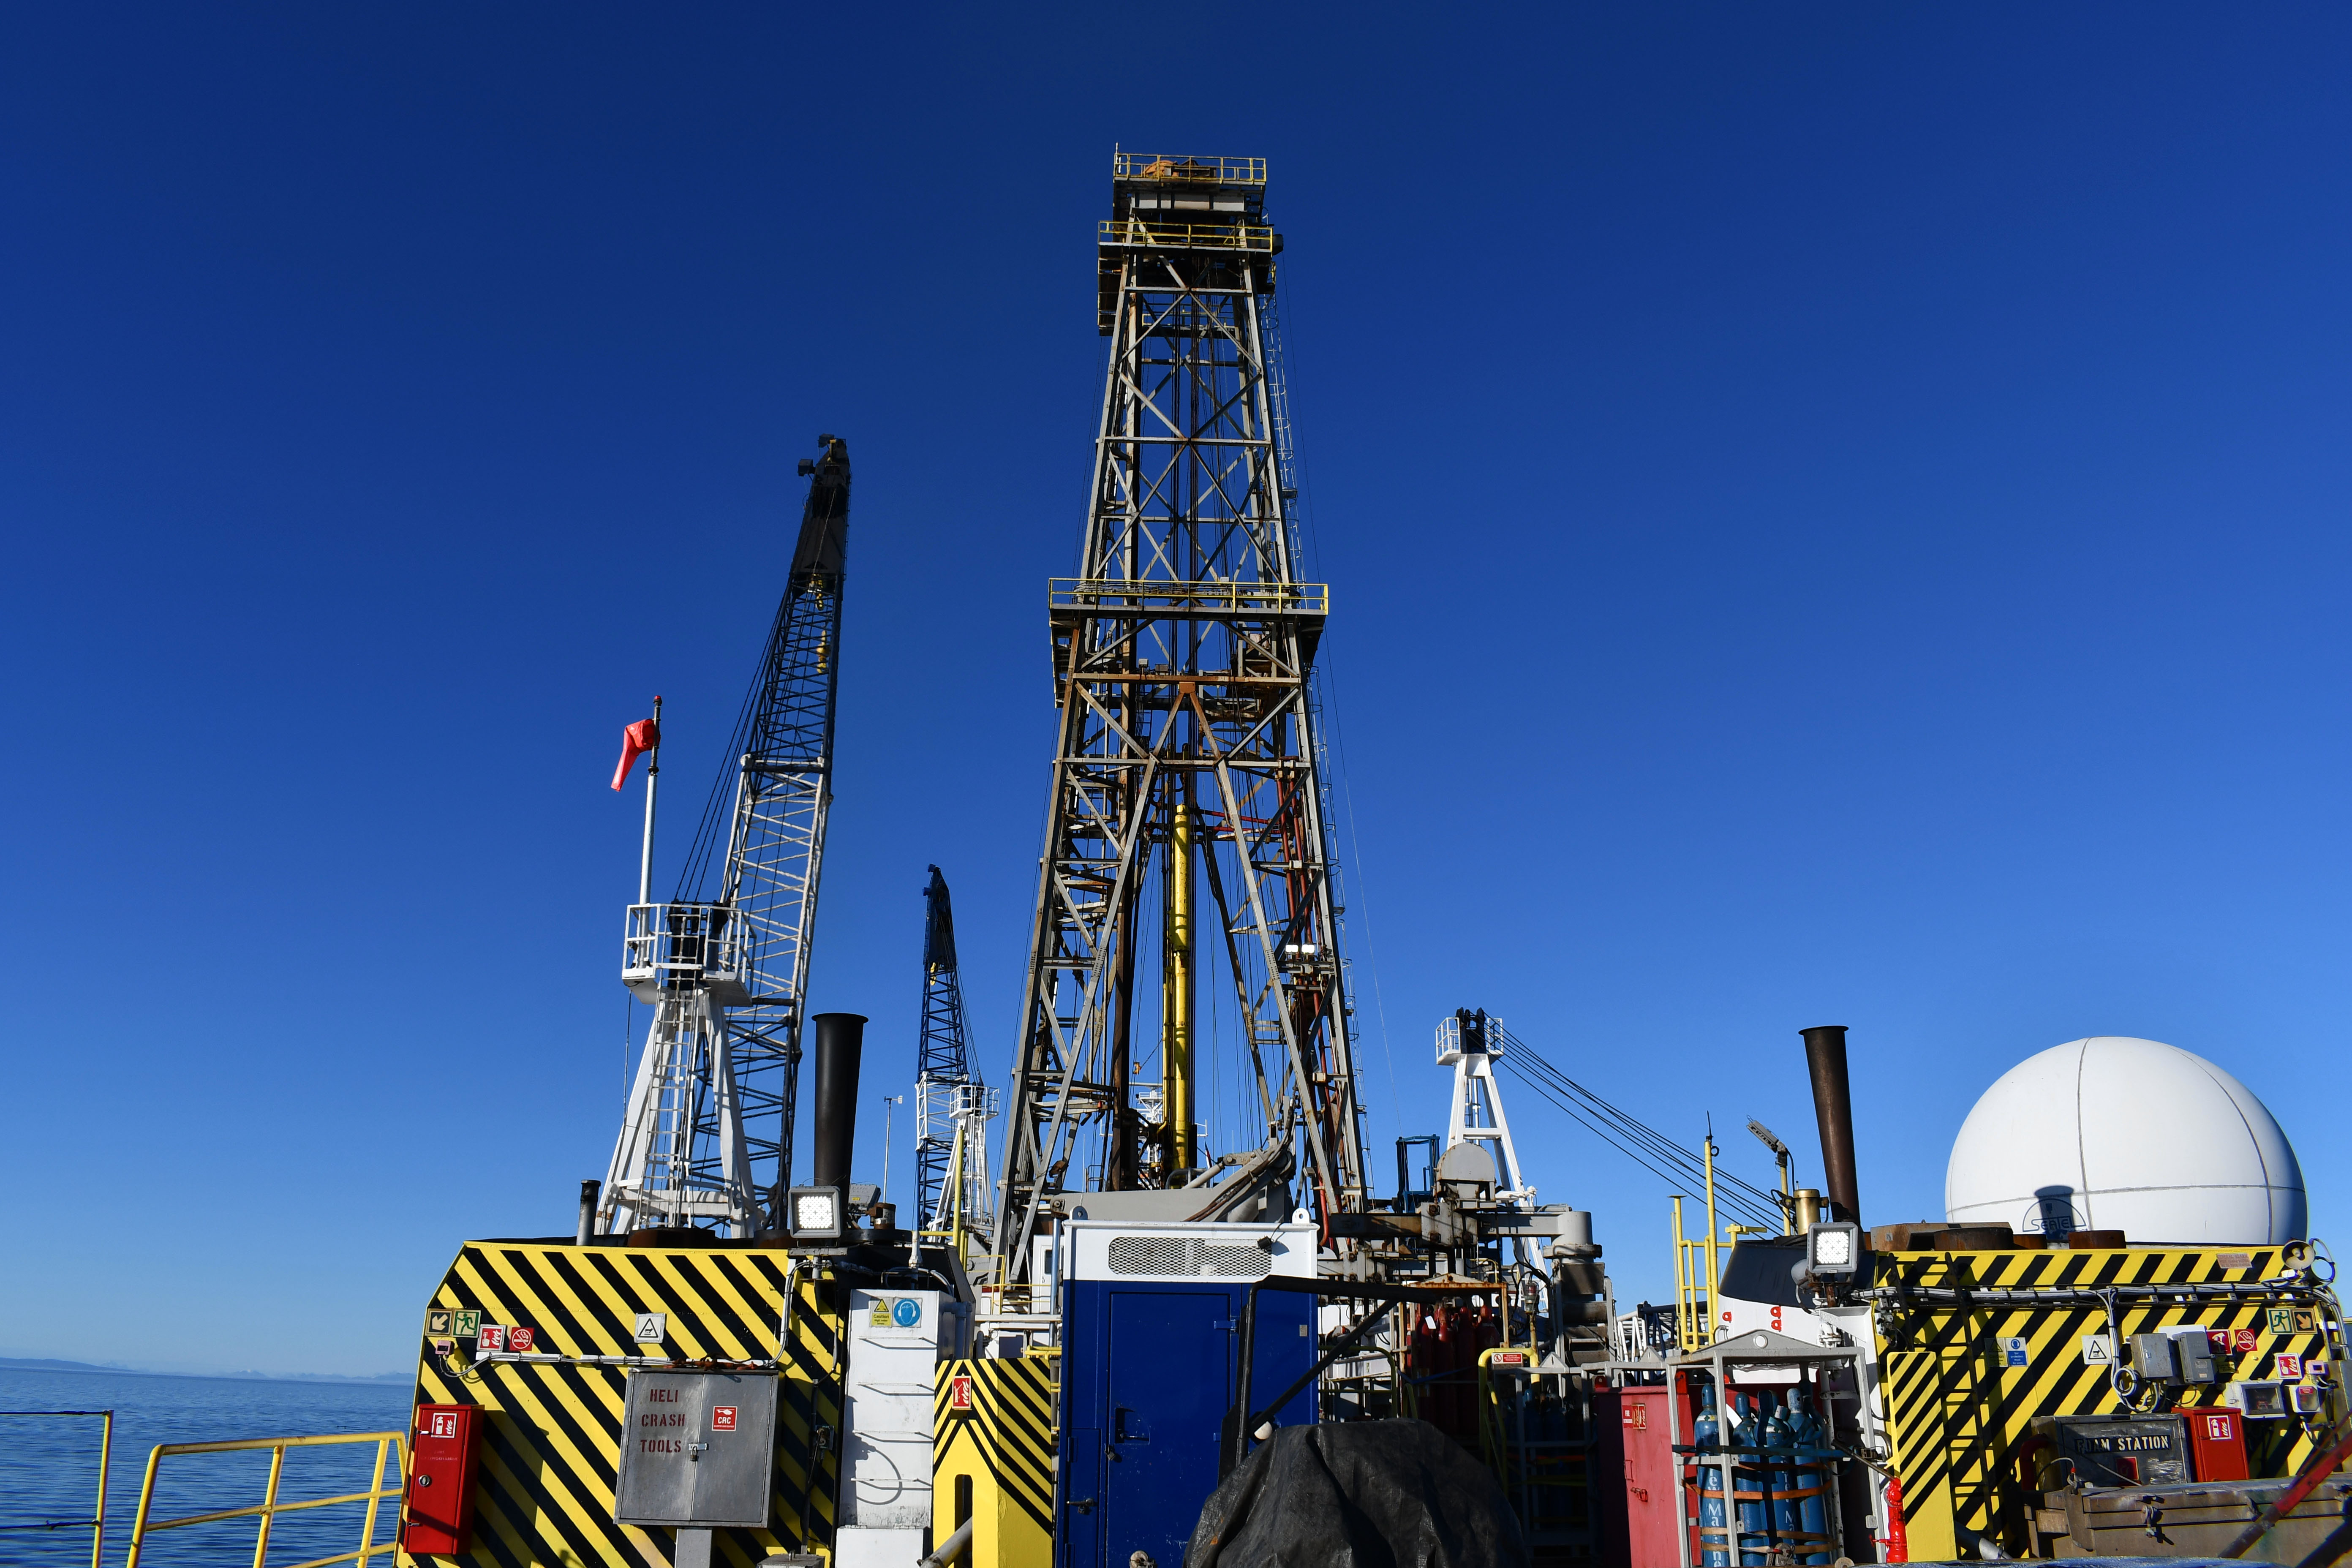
840,1038
1834,1109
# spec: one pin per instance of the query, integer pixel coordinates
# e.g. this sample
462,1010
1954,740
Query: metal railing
1143,235
1187,166
96,1523
392,1446
683,945
1167,598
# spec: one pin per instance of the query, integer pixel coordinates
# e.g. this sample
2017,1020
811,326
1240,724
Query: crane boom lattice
709,1132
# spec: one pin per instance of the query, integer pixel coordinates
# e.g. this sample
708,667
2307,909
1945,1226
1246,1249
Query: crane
1187,750
707,1134
951,1102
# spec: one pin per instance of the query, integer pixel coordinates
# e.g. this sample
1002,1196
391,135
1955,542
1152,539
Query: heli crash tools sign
697,1449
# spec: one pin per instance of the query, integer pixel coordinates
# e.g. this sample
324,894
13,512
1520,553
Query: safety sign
519,1339
2097,1350
651,1327
491,1338
906,1311
2242,1342
437,1321
2290,1367
470,1322
2279,1320
722,1418
959,1394
2012,1352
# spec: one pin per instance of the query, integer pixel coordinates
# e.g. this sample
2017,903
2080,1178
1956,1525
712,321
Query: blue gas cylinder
1748,1475
1715,1544
1813,1474
1782,1440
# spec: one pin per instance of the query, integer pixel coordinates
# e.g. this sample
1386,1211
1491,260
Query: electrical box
698,1449
896,1341
2217,1444
437,1512
2193,1357
2155,1358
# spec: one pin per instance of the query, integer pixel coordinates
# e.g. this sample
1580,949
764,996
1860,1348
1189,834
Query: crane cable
1636,1140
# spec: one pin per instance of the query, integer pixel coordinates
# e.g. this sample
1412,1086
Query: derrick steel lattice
1182,660
948,1098
709,1133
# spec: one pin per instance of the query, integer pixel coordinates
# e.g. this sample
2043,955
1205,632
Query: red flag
642,736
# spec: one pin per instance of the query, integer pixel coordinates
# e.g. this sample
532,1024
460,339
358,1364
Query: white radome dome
2116,1133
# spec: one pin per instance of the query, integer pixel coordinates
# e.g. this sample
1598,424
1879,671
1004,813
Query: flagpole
653,782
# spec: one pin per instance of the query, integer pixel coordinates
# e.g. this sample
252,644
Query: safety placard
2290,1367
722,1418
651,1327
440,1424
470,1322
2244,1341
2279,1320
2012,1352
491,1338
519,1339
438,1320
960,1395
2099,1350
878,1316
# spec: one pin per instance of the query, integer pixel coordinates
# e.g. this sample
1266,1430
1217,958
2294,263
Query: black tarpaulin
1358,1494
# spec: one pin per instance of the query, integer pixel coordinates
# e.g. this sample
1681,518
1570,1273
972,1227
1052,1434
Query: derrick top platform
1168,206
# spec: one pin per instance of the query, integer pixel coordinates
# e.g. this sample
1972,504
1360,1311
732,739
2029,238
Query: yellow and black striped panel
551,1442
994,1416
1959,1416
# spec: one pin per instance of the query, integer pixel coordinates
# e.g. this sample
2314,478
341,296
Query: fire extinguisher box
2217,1444
437,1511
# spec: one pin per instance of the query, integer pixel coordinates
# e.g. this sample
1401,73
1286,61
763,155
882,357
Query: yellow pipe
1182,1150
1714,1274
1681,1279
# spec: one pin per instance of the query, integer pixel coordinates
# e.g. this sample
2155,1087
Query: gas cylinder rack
1781,1502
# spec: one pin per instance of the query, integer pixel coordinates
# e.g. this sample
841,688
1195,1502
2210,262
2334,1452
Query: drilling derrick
707,1137
1186,756
950,1104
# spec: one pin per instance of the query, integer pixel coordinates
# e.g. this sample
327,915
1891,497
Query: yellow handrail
1157,235
388,1445
96,1523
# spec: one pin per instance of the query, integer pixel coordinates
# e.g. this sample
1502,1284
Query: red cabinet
1639,1513
2217,1444
437,1510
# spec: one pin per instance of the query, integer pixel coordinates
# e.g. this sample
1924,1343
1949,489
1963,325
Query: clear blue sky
1837,514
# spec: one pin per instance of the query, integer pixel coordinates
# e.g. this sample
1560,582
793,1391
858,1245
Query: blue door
1170,1374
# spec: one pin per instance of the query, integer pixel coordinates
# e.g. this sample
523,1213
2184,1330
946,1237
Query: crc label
722,1418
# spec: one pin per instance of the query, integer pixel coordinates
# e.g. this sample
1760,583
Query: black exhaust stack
840,1038
1834,1109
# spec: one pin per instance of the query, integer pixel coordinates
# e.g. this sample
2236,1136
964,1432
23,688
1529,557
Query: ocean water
48,1467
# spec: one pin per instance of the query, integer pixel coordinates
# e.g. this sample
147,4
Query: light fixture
1834,1249
817,1212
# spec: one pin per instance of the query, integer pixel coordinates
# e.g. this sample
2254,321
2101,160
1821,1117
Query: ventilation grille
1182,1255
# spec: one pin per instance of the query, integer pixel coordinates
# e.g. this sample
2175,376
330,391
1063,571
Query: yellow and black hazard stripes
552,1440
1975,1345
992,1459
